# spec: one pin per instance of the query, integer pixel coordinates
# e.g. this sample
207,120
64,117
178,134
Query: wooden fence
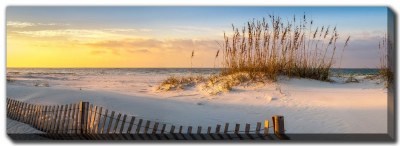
84,121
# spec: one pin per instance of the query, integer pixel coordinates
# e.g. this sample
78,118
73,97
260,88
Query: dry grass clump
223,83
41,84
371,77
213,84
273,46
175,83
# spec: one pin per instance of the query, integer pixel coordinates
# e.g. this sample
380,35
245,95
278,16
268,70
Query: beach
308,106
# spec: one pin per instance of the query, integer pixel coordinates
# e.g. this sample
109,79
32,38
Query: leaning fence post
116,123
155,128
146,128
279,128
122,124
226,128
130,125
237,127
104,122
258,127
139,125
172,129
163,128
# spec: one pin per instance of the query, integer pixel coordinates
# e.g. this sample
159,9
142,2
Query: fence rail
84,121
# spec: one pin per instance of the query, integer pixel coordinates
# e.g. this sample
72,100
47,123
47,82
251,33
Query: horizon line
150,68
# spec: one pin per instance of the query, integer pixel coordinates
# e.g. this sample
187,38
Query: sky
152,37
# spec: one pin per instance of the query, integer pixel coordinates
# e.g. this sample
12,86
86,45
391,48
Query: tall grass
384,70
273,46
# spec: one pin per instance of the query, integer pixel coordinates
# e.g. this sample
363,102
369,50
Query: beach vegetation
384,71
262,50
274,46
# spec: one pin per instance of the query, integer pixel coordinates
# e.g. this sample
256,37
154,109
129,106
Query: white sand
16,127
308,106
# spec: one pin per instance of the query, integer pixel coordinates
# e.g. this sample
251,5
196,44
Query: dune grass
273,46
384,71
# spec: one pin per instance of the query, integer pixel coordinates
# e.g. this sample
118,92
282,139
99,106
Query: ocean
149,71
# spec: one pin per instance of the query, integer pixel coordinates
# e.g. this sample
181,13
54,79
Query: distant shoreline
143,68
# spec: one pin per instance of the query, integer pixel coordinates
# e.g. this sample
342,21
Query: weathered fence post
83,114
66,119
97,121
89,117
217,129
163,128
71,119
247,128
139,125
155,128
130,125
237,127
55,120
258,127
199,130
110,122
92,117
146,128
189,131
104,121
172,129
226,128
180,129
43,118
266,127
116,123
76,123
60,120
279,128
278,124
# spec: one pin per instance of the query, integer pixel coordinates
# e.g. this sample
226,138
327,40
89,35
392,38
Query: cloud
19,24
81,34
117,30
366,35
138,51
97,52
155,45
127,43
76,34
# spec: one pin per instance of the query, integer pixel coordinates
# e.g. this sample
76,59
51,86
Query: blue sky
364,24
344,17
